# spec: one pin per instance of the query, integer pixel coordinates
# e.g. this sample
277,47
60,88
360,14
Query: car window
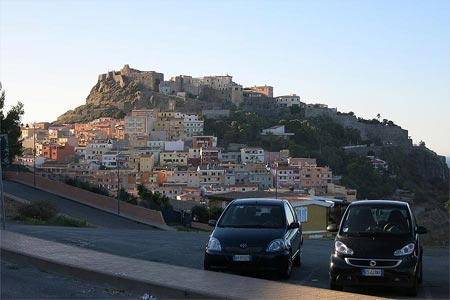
253,215
381,219
289,215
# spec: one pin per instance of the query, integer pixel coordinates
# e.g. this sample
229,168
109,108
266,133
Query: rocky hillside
116,93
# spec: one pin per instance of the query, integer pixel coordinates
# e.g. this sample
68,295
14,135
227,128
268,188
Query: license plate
372,272
242,258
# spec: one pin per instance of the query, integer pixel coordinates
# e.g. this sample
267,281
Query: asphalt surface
19,281
123,237
77,210
186,249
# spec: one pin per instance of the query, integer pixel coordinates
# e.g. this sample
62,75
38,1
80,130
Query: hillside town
168,153
166,150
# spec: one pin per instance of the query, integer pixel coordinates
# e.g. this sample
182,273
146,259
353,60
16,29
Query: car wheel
286,273
414,289
421,273
206,267
334,286
298,258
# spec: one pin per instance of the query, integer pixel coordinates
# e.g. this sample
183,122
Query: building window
302,214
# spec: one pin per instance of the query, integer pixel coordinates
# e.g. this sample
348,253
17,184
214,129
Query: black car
255,235
377,244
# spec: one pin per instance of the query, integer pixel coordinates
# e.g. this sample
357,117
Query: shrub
215,212
203,214
200,213
40,210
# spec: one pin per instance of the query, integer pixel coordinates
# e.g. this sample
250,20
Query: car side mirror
294,225
332,228
212,223
421,230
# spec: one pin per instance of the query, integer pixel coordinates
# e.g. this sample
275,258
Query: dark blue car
255,235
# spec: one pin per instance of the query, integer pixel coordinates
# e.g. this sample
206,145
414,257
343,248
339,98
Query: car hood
253,237
374,247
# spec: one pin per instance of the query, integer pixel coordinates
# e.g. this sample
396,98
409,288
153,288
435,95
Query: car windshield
371,221
253,216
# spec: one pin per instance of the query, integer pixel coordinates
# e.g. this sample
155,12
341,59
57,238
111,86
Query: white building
277,130
94,151
193,125
174,145
252,155
288,101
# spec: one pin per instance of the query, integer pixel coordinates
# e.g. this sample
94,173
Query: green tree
10,125
127,197
200,213
152,200
370,184
203,214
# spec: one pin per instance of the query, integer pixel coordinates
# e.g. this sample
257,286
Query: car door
293,236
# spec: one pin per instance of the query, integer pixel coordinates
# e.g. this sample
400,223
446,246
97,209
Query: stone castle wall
148,78
387,135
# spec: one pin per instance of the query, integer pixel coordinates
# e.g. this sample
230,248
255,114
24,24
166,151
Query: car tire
286,273
420,273
206,267
334,286
298,258
414,289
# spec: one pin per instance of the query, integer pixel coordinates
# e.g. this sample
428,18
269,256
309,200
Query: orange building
57,152
266,90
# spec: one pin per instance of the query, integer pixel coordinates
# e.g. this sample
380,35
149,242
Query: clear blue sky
369,57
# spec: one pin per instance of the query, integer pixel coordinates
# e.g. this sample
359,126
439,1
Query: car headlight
276,245
407,250
342,248
214,244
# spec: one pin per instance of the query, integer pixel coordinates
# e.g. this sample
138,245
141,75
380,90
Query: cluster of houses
167,152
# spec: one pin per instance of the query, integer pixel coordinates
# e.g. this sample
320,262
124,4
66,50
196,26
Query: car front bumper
259,261
344,274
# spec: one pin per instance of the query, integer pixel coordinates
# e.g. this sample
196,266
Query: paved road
77,210
19,281
186,249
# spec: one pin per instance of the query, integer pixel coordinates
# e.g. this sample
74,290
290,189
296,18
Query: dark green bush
215,212
200,213
40,210
203,213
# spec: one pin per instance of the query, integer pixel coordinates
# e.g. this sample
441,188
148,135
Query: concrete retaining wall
130,211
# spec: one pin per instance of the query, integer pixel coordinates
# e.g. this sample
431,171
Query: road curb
118,281
15,198
158,279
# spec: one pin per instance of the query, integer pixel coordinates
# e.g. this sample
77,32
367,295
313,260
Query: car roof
267,201
379,202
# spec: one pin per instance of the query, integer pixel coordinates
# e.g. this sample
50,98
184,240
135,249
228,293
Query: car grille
239,250
369,263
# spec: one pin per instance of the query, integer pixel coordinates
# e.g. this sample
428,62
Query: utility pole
2,197
118,179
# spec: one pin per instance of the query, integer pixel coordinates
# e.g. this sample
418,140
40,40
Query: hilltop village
168,153
166,150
